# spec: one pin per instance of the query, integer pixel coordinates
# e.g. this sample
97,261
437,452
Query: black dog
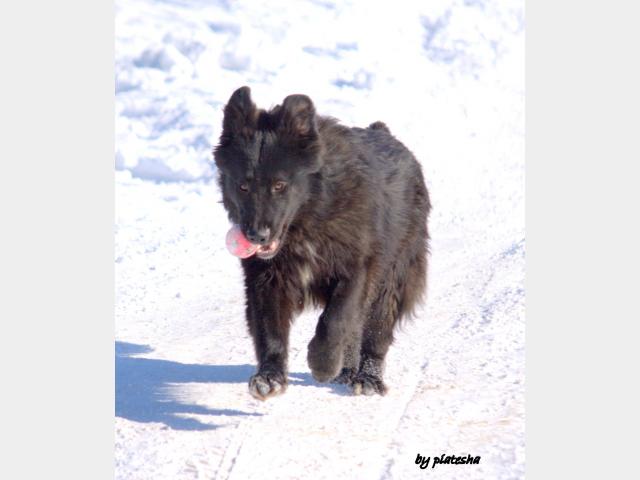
340,215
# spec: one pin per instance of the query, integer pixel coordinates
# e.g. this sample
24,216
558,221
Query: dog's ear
297,125
298,118
239,115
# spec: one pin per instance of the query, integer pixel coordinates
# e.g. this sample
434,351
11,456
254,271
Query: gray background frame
56,255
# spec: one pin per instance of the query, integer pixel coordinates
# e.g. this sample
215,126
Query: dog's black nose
260,237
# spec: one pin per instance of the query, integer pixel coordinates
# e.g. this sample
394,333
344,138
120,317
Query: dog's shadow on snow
306,380
143,393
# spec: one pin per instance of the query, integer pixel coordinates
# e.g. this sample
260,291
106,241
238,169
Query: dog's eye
279,186
243,187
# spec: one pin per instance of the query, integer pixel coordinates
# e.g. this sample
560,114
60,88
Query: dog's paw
345,377
263,385
367,384
325,361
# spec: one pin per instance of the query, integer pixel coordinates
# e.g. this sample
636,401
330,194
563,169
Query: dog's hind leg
377,335
351,359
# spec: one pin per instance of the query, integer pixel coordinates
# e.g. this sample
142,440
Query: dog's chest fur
308,271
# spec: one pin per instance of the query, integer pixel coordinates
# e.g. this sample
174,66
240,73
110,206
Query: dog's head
265,162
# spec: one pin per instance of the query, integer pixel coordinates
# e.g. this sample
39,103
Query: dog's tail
379,126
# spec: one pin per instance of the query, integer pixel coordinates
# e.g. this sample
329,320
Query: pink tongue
238,244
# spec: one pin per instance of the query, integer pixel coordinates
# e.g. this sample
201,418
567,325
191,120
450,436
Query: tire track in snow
232,451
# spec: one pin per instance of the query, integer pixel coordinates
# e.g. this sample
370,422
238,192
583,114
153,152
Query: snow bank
177,63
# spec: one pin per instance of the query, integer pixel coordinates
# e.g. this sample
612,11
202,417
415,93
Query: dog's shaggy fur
342,213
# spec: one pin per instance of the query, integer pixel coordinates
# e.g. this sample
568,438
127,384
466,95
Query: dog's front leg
338,327
269,320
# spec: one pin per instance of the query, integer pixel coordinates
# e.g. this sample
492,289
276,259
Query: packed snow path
447,78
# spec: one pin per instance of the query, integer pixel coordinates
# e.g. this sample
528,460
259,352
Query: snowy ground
448,79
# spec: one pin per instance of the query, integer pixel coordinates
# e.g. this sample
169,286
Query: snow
448,79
